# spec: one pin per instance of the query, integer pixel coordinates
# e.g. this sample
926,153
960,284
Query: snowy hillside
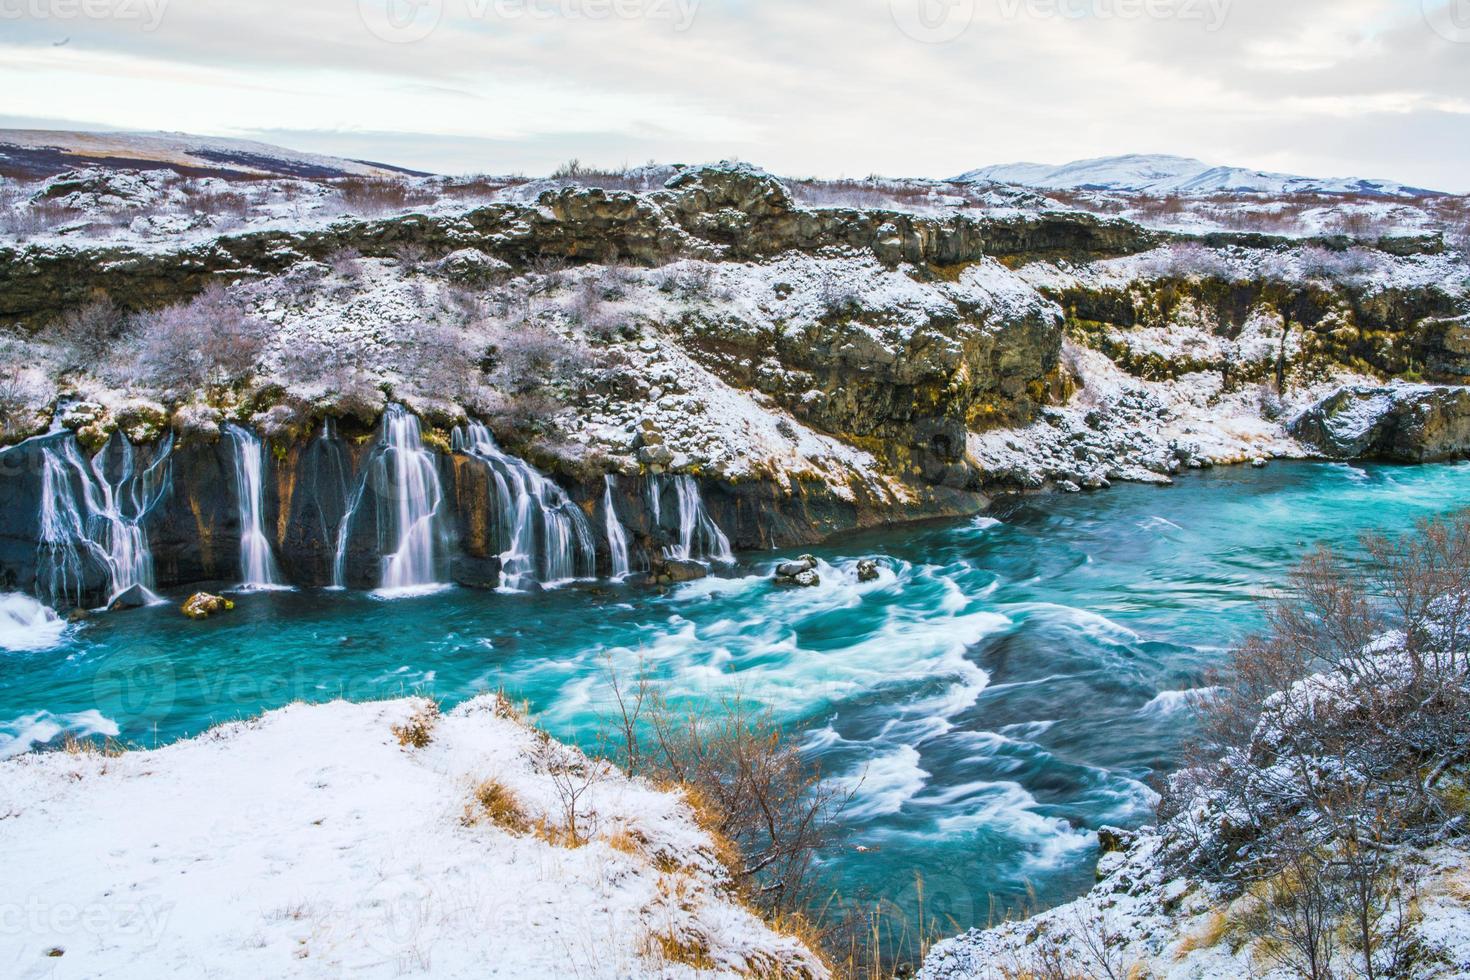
1162,174
39,153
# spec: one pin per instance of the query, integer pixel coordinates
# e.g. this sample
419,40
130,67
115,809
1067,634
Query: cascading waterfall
350,504
85,516
258,567
405,476
617,538
700,538
547,538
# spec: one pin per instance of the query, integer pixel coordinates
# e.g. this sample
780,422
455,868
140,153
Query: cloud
824,87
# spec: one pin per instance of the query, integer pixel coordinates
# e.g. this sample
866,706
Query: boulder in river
673,570
801,572
1399,422
202,605
867,570
475,573
133,597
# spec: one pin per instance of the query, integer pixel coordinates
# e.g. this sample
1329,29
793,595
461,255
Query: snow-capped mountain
1162,174
38,153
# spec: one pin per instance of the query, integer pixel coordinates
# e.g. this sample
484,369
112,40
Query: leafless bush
839,298
207,341
433,359
748,782
14,401
691,281
526,357
573,776
1339,726
29,220
346,263
88,335
380,195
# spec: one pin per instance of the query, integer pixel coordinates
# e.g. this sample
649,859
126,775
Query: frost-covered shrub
88,335
206,342
1188,260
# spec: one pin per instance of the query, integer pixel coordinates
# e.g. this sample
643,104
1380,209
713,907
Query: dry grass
1214,932
418,731
669,946
494,801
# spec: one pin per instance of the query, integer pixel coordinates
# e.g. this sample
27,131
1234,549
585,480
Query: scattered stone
801,572
1259,463
202,605
867,570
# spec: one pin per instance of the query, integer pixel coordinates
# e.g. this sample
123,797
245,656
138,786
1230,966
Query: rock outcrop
1401,423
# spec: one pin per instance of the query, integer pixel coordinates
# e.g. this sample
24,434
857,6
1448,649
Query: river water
1008,685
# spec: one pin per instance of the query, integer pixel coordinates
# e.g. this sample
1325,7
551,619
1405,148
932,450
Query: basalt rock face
192,524
1371,330
725,212
1401,423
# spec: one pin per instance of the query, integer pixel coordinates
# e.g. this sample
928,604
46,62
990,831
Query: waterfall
90,516
406,479
546,537
617,538
700,538
258,567
350,504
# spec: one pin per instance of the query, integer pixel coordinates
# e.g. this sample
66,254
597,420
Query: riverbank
380,839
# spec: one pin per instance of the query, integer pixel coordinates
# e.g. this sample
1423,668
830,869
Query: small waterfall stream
409,495
617,538
547,538
258,568
93,512
700,538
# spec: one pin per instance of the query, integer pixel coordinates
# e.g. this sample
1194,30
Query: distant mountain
1160,174
30,154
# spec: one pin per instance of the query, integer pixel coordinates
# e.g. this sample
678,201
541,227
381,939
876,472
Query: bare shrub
88,334
15,413
380,195
573,777
346,263
748,783
433,359
205,342
1334,733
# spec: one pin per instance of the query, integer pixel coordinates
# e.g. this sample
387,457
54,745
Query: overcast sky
1374,88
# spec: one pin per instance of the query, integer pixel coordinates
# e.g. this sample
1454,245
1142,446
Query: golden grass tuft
494,801
669,946
418,731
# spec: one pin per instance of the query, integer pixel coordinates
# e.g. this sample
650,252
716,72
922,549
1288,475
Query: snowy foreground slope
310,842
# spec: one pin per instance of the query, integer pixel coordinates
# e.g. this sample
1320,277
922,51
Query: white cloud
800,86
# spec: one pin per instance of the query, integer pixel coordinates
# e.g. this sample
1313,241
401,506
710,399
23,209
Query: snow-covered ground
311,842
